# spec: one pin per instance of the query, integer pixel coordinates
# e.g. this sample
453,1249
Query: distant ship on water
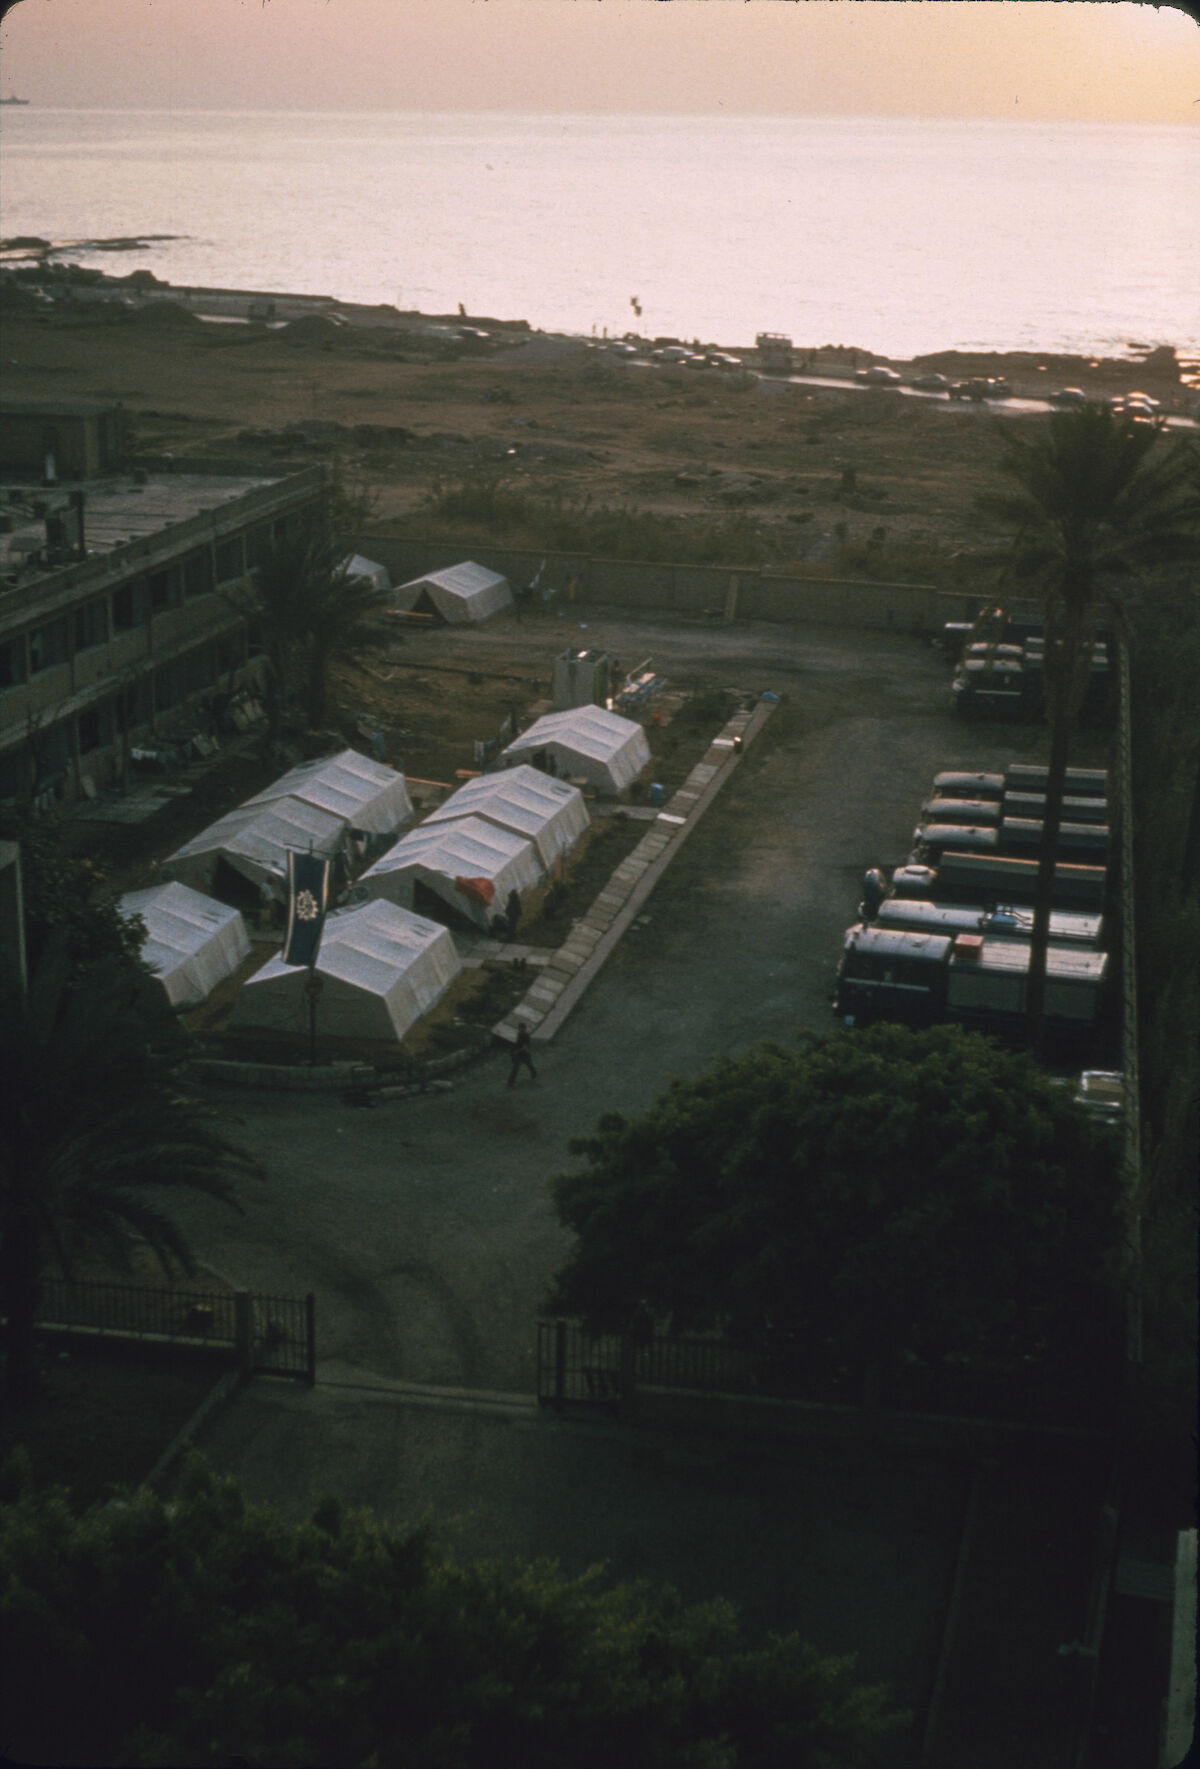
14,101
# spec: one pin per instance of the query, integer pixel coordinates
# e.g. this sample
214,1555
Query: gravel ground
424,1226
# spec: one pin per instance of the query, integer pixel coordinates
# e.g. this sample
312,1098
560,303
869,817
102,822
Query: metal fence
133,1311
273,1335
580,1369
283,1339
599,1369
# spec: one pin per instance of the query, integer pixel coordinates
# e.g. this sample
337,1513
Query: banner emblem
308,903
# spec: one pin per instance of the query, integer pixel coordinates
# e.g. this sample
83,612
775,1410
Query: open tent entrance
234,888
425,604
433,907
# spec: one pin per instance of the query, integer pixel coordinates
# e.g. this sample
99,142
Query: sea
901,237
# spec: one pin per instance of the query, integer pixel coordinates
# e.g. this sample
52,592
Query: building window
168,687
14,774
131,708
231,560
47,646
259,545
12,662
197,670
164,590
95,729
231,651
198,575
91,625
129,605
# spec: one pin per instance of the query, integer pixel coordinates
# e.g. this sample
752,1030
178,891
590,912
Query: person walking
521,1057
512,913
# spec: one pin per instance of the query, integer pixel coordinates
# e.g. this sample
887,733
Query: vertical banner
308,902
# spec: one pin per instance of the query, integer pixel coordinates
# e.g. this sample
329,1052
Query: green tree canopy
64,892
880,1192
97,1133
210,1631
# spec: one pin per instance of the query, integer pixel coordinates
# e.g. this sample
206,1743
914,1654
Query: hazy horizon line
198,110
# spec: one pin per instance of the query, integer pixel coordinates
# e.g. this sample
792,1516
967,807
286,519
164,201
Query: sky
1010,59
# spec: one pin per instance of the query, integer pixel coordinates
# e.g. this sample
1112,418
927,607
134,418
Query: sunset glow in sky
1091,62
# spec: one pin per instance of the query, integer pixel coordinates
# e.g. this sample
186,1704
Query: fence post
243,1329
310,1336
560,1364
628,1379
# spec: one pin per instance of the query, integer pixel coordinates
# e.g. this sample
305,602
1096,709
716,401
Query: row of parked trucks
947,937
1000,668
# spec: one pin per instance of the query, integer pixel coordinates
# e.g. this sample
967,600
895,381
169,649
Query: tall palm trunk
1068,660
20,1285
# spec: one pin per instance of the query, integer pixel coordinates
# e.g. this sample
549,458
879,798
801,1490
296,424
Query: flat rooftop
115,512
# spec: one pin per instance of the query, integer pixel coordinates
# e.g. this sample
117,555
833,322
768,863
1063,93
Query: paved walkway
565,976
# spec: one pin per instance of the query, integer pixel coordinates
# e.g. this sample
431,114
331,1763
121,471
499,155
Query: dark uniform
522,1056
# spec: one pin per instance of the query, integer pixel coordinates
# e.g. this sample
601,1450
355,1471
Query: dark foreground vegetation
209,1631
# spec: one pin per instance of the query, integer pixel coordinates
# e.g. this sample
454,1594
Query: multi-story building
123,608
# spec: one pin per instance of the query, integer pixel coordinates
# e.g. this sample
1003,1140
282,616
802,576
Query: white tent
585,742
366,794
471,865
380,969
254,840
377,575
459,594
549,813
192,943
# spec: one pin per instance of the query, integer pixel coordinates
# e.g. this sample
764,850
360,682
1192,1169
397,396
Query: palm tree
311,610
1094,496
96,1129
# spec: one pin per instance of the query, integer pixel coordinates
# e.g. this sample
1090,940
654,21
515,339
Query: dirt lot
407,411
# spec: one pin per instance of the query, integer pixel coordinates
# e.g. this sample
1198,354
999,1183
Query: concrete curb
578,961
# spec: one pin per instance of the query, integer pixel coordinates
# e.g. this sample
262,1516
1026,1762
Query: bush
209,1631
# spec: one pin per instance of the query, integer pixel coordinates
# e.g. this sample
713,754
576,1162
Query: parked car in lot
1068,396
933,383
878,375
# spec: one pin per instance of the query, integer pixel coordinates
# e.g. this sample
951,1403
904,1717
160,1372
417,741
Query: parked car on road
878,375
1068,396
980,387
931,383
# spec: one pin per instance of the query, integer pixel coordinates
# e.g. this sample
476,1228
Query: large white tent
366,794
549,813
377,575
254,841
192,943
311,808
471,865
380,968
459,594
584,742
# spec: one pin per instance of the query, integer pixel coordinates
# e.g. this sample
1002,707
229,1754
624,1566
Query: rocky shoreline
39,270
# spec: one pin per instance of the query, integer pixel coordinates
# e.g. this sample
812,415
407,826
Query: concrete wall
718,591
82,443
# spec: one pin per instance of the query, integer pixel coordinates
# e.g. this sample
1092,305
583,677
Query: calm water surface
898,237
